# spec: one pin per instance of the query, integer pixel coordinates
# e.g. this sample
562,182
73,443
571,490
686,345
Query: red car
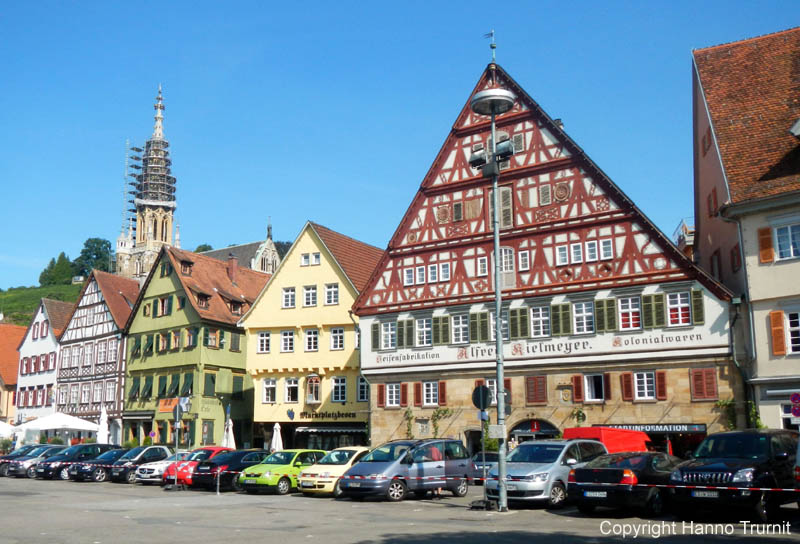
186,468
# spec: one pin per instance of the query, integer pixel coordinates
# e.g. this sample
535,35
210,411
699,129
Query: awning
331,429
143,414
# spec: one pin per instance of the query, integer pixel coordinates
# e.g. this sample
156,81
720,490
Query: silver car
538,470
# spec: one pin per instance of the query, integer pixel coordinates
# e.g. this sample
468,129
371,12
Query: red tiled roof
119,293
357,259
210,276
10,338
752,88
58,313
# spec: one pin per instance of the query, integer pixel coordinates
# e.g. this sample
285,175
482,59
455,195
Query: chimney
233,267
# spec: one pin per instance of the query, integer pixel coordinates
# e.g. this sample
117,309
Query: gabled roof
244,253
752,91
209,276
356,259
119,293
10,338
58,313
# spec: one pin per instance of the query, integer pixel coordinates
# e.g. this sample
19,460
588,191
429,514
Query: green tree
58,272
96,254
203,247
46,277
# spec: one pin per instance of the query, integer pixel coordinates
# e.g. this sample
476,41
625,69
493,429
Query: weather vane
492,45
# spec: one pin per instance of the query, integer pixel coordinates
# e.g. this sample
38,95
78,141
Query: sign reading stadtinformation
659,427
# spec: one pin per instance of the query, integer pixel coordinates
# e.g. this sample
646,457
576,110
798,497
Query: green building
183,342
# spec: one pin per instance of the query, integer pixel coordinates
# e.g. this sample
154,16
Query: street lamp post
492,102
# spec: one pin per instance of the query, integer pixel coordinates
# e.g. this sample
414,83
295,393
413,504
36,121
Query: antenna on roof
492,45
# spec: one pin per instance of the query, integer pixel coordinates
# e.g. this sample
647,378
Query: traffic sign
795,398
481,397
796,410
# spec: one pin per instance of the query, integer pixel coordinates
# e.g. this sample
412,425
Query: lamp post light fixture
493,102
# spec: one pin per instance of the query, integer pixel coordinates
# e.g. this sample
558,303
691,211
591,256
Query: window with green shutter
698,310
147,390
653,314
441,330
162,387
137,345
155,308
235,341
519,323
376,336
561,319
169,305
173,386
479,327
605,315
148,346
209,388
405,333
134,391
188,383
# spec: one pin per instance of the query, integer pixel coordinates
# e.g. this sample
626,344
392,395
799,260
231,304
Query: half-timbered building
91,369
603,320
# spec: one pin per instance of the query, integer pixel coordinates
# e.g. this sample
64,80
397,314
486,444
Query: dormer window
186,268
236,308
203,301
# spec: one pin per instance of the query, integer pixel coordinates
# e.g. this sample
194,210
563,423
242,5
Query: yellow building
302,345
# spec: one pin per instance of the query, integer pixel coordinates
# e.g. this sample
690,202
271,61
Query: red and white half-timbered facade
91,370
604,320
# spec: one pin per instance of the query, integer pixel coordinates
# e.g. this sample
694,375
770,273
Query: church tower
151,224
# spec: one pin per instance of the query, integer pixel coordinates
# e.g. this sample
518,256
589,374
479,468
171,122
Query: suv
418,466
738,459
124,468
57,467
538,470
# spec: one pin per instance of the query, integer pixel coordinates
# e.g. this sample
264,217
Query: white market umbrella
228,441
276,444
102,432
58,421
6,430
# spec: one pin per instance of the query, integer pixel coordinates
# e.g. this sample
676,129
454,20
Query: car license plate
39,470
511,486
202,468
354,484
115,471
249,481
598,494
306,484
705,494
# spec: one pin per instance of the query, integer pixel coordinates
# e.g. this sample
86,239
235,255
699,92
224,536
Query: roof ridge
345,236
745,40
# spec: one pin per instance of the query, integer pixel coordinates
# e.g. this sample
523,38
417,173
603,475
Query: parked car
482,464
25,466
96,469
185,469
226,466
742,460
419,466
325,475
153,473
5,459
124,468
57,467
627,470
279,471
538,470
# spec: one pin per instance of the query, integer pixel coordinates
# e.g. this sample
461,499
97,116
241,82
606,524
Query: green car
279,471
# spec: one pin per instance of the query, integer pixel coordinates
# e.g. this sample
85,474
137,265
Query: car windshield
71,451
109,455
180,456
52,451
535,453
38,451
227,457
734,446
491,457
131,454
279,458
200,455
337,457
386,453
635,462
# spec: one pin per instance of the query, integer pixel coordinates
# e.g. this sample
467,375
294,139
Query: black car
589,486
57,467
25,466
741,460
124,468
227,466
5,459
96,469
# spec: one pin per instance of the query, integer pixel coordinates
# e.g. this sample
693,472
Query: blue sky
325,111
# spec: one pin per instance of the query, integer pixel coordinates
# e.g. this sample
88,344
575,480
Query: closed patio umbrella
276,444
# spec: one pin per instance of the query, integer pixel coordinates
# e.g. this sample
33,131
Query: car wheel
337,490
396,490
235,485
557,496
654,506
4,469
461,489
31,472
586,508
130,477
284,486
764,509
63,474
99,475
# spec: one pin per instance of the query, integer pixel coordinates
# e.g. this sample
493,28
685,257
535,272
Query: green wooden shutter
376,336
555,320
437,331
155,308
600,316
205,336
483,326
409,333
611,314
401,334
169,341
698,310
659,311
473,327
513,323
562,319
169,305
445,323
221,339
648,319
524,323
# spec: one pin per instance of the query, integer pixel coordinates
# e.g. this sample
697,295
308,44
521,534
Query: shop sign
659,427
167,405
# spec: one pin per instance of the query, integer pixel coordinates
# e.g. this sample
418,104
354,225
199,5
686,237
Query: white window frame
97,395
101,352
420,275
506,259
792,331
408,276
678,301
460,326
791,241
315,258
363,389
288,300
291,383
263,342
562,255
76,356
313,390
523,257
433,275
644,385
576,253
331,294
392,395
88,353
606,249
112,350
583,317
111,390
269,389
305,259
482,267
444,271
389,335
312,340
424,332
491,383
504,328
309,296
540,321
287,341
86,393
430,393
631,306
590,391
73,394
62,394
591,251
339,389
337,338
